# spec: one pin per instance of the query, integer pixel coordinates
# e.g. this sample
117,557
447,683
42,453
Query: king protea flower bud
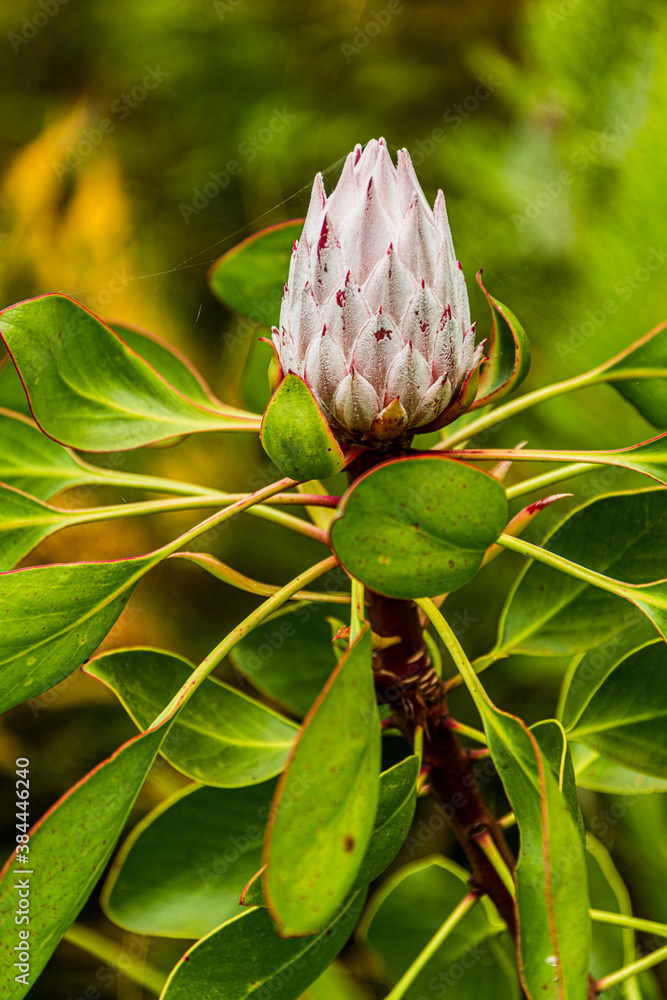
375,316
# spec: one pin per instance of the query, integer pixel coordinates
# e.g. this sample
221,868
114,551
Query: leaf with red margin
244,960
418,526
396,808
296,435
222,738
52,618
509,354
324,809
69,848
89,390
551,881
249,278
33,462
640,374
24,522
168,362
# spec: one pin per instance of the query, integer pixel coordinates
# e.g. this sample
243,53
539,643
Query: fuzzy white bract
375,315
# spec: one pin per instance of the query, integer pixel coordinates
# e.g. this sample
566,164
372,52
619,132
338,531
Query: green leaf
396,807
640,374
406,912
89,390
245,960
419,526
52,618
552,742
24,522
603,775
587,670
31,461
181,871
649,458
651,598
509,354
38,465
296,435
291,656
326,802
221,738
552,896
335,984
625,715
69,848
612,946
12,393
168,361
249,279
623,535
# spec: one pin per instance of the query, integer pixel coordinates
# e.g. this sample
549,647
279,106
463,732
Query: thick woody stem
406,682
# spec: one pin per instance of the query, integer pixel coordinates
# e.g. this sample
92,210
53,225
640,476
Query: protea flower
375,315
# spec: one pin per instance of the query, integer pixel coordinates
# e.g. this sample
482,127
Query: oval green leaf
612,946
622,535
52,618
182,870
89,390
24,522
551,882
296,435
245,960
320,828
419,526
603,775
249,279
33,462
406,912
222,737
625,717
640,375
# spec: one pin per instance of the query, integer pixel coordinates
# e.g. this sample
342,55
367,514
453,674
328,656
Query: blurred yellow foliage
71,227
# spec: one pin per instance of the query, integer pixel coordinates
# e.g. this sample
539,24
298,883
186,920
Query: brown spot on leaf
348,844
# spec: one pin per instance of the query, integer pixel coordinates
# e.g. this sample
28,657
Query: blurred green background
140,141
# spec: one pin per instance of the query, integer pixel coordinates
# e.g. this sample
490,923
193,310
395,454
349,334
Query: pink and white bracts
375,315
